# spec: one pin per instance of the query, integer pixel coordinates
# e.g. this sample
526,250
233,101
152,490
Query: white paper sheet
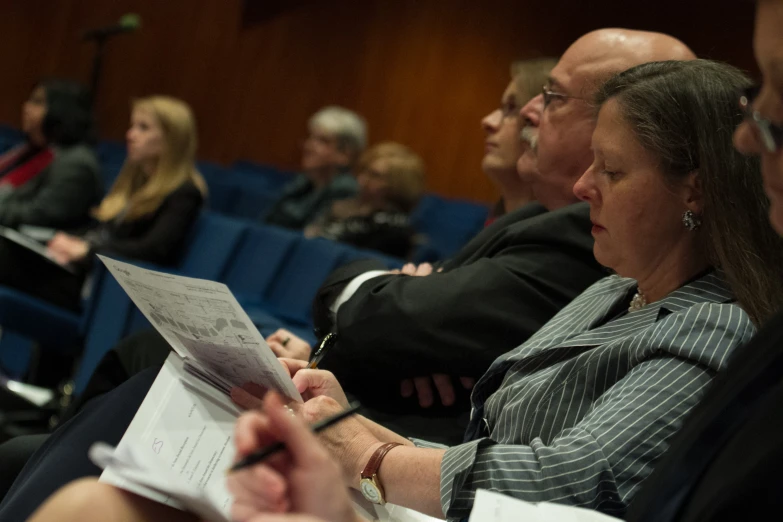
179,444
205,325
394,513
490,506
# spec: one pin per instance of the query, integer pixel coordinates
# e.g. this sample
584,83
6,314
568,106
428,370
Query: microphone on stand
127,23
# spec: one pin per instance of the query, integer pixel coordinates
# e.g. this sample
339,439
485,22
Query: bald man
567,122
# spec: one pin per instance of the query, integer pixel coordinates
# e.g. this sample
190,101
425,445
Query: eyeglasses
550,95
771,134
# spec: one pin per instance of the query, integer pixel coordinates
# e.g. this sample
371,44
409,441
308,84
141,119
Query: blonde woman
154,202
504,127
391,181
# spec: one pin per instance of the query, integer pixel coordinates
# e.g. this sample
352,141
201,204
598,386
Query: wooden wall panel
423,72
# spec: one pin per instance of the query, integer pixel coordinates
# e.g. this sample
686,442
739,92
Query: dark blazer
158,237
725,464
300,202
501,288
61,196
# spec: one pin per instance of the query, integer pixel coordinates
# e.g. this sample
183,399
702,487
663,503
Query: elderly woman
580,413
391,180
337,138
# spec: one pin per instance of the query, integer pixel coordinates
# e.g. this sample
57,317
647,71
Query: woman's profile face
636,212
373,182
144,137
503,145
33,114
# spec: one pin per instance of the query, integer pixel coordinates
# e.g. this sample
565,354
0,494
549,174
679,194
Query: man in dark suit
501,288
725,464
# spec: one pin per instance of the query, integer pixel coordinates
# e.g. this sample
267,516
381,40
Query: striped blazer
580,412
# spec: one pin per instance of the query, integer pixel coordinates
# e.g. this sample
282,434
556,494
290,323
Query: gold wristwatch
369,483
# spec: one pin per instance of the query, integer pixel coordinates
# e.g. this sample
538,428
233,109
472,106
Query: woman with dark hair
53,179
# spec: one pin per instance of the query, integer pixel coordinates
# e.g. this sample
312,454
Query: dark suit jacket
725,464
300,202
158,237
502,287
60,197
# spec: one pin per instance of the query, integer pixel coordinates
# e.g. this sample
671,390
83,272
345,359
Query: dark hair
685,113
69,120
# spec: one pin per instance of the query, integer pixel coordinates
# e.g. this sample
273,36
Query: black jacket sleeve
163,241
63,196
457,322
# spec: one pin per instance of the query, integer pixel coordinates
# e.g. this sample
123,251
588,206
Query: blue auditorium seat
258,261
214,241
222,196
252,203
261,176
290,296
108,323
113,152
446,226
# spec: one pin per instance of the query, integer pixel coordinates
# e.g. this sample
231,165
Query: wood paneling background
423,72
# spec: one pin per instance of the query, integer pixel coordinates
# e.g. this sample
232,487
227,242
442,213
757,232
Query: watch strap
375,461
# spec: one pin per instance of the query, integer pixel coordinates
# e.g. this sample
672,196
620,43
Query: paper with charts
206,326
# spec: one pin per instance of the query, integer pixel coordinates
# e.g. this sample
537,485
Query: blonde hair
404,172
530,76
134,193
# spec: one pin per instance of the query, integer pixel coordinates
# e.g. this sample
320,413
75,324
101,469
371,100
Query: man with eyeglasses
504,285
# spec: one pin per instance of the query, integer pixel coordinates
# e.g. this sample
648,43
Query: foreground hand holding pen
304,479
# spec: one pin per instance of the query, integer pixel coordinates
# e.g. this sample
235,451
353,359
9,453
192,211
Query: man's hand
285,344
423,269
422,386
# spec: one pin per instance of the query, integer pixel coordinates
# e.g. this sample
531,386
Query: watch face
371,491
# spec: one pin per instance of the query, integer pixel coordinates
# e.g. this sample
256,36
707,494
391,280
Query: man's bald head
600,54
567,123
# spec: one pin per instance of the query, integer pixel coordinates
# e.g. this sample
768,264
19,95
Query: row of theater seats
248,190
274,273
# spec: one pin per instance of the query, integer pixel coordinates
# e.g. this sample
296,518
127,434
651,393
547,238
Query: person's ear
693,193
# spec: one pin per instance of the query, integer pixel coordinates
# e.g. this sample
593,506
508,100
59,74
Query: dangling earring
691,220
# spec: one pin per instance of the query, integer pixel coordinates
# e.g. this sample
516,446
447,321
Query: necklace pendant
638,302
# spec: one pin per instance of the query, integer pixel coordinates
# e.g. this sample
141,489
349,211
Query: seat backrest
302,274
252,203
258,260
446,225
109,319
222,196
212,244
